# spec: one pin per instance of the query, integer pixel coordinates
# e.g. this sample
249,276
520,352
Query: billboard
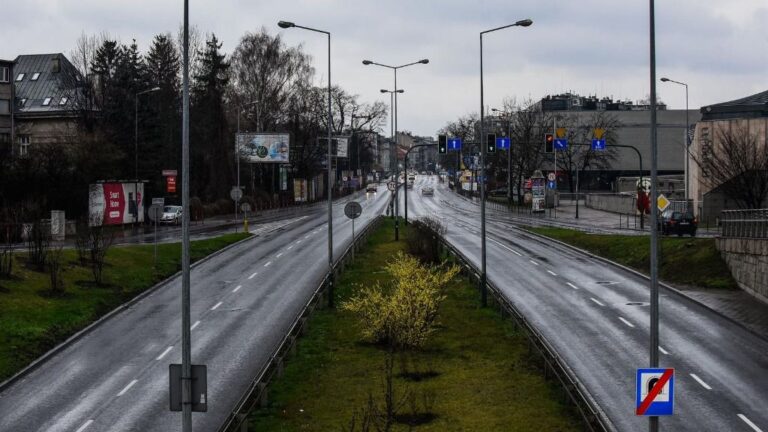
342,146
263,147
115,203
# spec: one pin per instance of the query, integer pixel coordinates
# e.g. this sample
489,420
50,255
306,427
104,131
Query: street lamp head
384,91
524,23
664,79
286,24
367,62
154,89
401,91
494,109
424,61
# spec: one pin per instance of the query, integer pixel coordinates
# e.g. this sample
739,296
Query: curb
672,289
92,326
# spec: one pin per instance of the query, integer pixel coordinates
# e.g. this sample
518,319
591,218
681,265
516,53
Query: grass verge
682,261
32,322
478,367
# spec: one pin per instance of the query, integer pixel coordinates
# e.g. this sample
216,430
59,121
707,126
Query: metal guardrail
257,391
744,224
594,418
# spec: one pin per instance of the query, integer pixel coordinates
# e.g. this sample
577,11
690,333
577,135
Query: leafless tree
580,132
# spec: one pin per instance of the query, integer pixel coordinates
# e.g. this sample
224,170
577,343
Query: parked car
427,191
675,222
372,187
171,215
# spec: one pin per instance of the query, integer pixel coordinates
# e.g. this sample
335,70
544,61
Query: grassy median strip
33,321
475,372
683,261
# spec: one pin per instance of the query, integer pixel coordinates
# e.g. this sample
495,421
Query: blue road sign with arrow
454,144
598,144
551,185
502,143
561,144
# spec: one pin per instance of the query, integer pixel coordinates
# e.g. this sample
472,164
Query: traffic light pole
405,163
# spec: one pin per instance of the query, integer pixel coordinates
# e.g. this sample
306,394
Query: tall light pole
483,145
240,110
186,332
397,174
136,149
392,116
653,421
508,115
687,140
285,25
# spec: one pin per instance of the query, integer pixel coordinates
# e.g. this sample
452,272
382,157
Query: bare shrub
38,244
424,238
99,241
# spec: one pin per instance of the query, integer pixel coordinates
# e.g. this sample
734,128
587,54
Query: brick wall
748,261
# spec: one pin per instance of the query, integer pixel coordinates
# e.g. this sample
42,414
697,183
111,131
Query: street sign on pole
655,392
199,386
454,144
561,144
662,202
392,186
503,143
236,194
551,185
598,144
353,210
551,177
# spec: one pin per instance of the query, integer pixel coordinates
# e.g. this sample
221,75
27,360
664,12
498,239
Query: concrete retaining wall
624,204
748,261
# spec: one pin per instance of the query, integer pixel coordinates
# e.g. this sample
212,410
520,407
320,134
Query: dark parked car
675,222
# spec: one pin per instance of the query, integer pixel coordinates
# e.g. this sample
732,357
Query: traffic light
491,143
442,144
549,143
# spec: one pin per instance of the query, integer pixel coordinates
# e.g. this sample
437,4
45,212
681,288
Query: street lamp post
687,141
285,25
653,421
240,110
136,149
393,150
508,115
397,183
483,145
186,313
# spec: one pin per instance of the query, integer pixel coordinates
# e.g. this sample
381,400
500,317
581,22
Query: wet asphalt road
585,309
115,378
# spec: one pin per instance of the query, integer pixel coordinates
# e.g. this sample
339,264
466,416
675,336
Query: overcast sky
720,48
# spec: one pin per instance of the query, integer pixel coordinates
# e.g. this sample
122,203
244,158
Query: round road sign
155,211
245,207
353,209
236,194
391,186
551,176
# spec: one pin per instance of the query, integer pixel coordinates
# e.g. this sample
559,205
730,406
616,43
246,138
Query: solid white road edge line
749,422
626,322
701,381
128,387
167,350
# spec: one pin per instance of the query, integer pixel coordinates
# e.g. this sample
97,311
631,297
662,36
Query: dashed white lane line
749,423
701,381
197,323
269,263
551,272
289,247
572,285
298,241
216,306
253,275
663,351
237,288
596,301
626,322
307,236
88,423
167,350
128,387
533,262
279,255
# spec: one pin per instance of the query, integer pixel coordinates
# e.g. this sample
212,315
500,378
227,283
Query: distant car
171,215
411,178
500,192
371,188
427,191
423,173
675,222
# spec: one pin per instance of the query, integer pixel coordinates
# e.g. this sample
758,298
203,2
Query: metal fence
744,223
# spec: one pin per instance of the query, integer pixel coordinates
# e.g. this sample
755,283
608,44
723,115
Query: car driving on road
171,215
427,191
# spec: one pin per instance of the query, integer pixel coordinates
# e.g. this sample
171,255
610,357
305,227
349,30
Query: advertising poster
300,190
115,203
342,146
264,147
538,192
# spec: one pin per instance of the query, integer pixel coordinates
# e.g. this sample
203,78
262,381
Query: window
19,77
46,101
5,106
24,142
35,76
22,102
4,74
63,101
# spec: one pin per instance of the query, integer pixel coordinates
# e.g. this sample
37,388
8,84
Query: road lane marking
596,301
88,423
167,350
298,241
253,275
749,423
237,288
551,272
701,381
289,247
626,322
269,263
216,306
197,323
307,236
663,351
279,255
533,262
128,387
572,285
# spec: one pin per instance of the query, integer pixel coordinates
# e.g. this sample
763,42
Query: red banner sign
170,183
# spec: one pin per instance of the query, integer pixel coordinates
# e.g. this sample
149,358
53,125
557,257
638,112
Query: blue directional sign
561,144
454,144
551,185
598,144
655,392
502,143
